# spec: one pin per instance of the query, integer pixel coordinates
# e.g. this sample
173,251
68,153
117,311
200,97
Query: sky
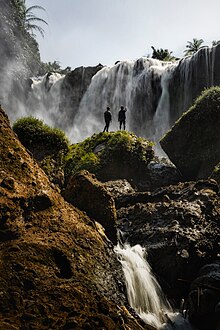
89,32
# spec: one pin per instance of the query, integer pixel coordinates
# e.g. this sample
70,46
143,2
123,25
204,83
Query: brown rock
54,266
90,195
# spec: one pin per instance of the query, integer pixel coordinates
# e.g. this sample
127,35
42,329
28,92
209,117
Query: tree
162,54
29,21
52,67
193,46
215,43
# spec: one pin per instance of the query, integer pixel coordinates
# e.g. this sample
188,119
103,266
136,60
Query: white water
129,83
143,86
45,98
144,293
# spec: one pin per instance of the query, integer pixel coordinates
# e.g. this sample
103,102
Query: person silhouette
108,119
122,117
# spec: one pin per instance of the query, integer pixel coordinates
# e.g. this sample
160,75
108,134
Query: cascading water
44,98
155,93
144,293
136,85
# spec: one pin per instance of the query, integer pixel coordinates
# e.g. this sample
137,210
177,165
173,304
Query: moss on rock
193,143
110,155
48,145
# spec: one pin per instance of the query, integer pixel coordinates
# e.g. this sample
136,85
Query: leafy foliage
29,21
162,54
207,101
52,67
33,132
101,150
215,43
193,46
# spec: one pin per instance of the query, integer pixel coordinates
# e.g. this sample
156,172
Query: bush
108,152
33,132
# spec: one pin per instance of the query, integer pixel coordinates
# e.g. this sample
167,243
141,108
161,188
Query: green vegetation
207,101
33,132
48,146
162,54
105,151
196,134
52,67
119,154
28,20
193,46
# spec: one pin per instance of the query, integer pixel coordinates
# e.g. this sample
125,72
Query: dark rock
178,226
73,88
204,298
119,188
159,173
216,173
196,150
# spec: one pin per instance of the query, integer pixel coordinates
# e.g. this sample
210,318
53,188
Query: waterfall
139,85
144,293
44,98
154,92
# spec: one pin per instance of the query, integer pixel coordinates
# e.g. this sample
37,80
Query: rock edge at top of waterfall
192,144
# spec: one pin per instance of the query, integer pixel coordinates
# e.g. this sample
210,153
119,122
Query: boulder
111,156
204,298
193,143
84,191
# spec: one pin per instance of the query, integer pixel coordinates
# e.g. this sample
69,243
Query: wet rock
74,85
204,297
178,225
119,188
159,173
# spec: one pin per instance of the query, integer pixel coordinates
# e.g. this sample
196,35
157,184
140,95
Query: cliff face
73,88
56,270
19,57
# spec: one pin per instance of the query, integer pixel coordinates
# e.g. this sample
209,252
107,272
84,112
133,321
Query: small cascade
144,293
44,98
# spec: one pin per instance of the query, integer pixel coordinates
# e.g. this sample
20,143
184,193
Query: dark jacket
107,116
121,115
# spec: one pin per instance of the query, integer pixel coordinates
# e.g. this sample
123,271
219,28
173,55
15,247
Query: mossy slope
110,156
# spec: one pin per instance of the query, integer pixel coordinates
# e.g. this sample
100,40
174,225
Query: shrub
33,132
101,152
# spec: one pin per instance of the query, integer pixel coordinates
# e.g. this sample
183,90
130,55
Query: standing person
122,117
108,119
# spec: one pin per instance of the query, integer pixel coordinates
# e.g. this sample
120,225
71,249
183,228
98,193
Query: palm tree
31,19
28,19
193,46
215,43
